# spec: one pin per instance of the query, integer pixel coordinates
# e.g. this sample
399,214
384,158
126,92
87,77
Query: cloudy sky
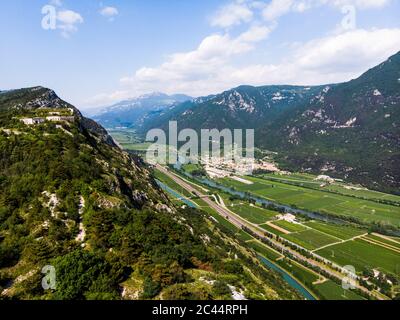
94,53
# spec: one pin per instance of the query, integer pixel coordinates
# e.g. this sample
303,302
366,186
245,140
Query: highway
240,223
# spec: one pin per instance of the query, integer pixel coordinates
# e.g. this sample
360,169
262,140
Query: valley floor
336,246
341,230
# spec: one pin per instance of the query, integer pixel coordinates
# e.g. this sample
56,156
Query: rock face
37,98
349,130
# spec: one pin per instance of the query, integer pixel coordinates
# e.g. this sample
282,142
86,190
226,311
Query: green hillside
71,199
348,130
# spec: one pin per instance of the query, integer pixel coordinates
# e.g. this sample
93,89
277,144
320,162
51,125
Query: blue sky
104,51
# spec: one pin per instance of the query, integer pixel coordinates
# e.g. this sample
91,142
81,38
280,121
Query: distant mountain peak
155,94
130,112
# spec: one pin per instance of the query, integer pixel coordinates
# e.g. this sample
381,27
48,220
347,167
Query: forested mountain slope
71,199
348,130
242,107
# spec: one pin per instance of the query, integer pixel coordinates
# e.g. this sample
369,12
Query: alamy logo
225,146
350,19
49,280
49,21
349,281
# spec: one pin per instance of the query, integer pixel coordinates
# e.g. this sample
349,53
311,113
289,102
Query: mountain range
348,130
74,202
132,112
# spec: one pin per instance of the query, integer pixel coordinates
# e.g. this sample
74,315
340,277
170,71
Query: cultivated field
332,291
338,231
342,244
384,241
308,180
363,256
272,230
263,250
291,227
253,214
319,201
310,239
128,140
304,275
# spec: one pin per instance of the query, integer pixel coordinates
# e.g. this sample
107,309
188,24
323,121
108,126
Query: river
261,201
289,279
286,276
176,194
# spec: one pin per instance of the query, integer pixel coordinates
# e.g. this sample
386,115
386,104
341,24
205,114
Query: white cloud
277,8
349,52
361,4
213,53
67,21
232,14
104,99
69,17
208,69
256,33
212,67
109,12
330,59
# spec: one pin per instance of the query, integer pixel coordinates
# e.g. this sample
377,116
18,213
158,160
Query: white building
32,121
59,118
325,178
287,217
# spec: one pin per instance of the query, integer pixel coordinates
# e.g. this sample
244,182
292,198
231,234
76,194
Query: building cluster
218,167
325,179
53,116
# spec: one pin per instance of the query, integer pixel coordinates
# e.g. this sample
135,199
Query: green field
341,232
128,140
291,227
332,291
220,220
310,239
263,250
309,181
244,236
299,272
397,239
363,256
384,241
319,201
310,235
272,230
296,179
253,214
137,146
172,184
202,205
124,136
